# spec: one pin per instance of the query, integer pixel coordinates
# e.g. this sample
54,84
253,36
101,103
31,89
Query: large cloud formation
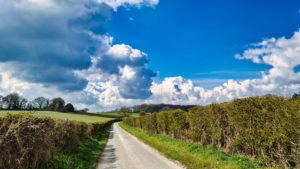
62,47
49,41
131,66
43,43
119,76
282,54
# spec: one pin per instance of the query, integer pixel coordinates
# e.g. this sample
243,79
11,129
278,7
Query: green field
118,115
59,115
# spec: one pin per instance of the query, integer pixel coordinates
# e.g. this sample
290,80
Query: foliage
152,108
125,112
142,113
57,104
117,114
192,155
85,110
27,141
266,128
69,108
85,155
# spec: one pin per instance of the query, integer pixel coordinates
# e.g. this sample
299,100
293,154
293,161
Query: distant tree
47,104
69,108
295,96
57,104
40,102
151,108
11,101
22,103
142,113
1,102
166,108
14,101
85,110
29,106
124,111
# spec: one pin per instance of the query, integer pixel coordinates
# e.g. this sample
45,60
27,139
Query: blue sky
104,54
191,38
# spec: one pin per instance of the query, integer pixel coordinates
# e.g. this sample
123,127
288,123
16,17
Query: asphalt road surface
124,151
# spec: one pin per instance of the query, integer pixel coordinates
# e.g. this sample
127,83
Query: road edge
174,161
100,157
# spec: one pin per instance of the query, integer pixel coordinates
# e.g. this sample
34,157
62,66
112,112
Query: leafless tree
22,103
11,101
1,102
40,102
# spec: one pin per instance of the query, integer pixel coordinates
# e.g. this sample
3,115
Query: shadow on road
109,155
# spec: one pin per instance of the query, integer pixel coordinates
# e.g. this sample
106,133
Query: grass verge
116,114
192,155
85,155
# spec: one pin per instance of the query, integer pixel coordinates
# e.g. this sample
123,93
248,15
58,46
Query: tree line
144,109
14,101
153,108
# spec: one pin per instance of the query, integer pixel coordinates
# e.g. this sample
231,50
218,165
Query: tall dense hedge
266,128
26,141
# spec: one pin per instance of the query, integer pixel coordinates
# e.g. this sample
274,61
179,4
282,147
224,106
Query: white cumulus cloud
103,75
283,54
117,3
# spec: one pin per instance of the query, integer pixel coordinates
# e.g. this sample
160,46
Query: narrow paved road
123,151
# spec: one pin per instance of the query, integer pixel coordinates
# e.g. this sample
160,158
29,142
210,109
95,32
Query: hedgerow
266,128
26,141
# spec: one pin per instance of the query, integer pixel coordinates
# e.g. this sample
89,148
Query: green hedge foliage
266,128
26,142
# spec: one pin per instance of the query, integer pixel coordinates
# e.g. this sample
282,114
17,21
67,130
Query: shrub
163,123
178,123
142,113
266,128
25,141
28,142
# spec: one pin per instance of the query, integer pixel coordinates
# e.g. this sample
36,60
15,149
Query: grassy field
191,155
59,115
84,156
118,115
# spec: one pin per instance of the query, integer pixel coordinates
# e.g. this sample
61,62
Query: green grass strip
116,114
60,115
192,155
85,155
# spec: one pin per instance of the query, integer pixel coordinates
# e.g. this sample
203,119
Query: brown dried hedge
26,142
266,128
